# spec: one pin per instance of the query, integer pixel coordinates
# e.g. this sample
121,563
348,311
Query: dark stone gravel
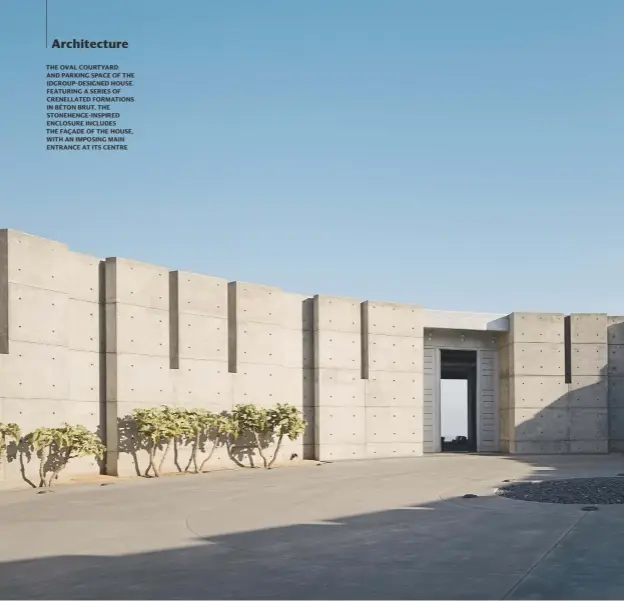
576,491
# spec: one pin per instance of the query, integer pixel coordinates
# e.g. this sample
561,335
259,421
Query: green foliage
286,420
9,431
56,446
202,425
264,424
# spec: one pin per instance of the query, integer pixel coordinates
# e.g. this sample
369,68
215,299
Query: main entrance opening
458,400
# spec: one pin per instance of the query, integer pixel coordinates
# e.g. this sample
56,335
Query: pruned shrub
57,446
285,420
8,432
160,426
265,424
203,426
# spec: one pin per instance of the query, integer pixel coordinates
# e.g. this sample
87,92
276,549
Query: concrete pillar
137,355
588,386
615,334
534,404
49,342
394,379
339,389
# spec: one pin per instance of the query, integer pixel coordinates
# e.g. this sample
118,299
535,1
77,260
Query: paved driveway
385,529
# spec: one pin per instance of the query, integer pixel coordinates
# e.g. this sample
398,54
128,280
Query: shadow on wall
576,423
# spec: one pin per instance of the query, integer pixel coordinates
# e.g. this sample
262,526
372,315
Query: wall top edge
461,320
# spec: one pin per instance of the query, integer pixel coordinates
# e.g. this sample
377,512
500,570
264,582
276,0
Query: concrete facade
86,340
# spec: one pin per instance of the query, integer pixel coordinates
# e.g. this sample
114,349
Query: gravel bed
576,491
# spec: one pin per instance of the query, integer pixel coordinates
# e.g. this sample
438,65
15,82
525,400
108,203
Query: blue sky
458,155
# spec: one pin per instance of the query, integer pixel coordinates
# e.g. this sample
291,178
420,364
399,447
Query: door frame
437,434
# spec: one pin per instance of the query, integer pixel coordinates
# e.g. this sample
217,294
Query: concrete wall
554,384
87,340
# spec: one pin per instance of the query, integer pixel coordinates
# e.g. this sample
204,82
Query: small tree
264,424
202,423
249,419
7,432
160,425
285,420
57,446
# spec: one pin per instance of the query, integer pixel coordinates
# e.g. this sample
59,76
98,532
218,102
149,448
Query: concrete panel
134,283
588,328
31,414
84,277
337,314
343,452
341,425
83,320
532,359
202,294
589,446
84,376
297,348
505,399
393,319
38,315
144,379
616,423
297,312
35,262
589,359
138,330
260,343
616,391
395,353
505,359
616,360
263,385
589,424
340,387
526,447
463,339
615,329
254,303
542,425
588,391
537,327
203,337
462,320
399,389
337,350
204,384
394,424
34,371
375,450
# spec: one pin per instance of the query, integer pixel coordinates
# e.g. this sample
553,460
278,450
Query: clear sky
458,154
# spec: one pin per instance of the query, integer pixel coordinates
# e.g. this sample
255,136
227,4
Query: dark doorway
460,365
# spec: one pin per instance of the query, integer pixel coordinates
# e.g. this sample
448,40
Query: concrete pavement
385,529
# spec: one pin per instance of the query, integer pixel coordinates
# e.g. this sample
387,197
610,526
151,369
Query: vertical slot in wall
232,328
174,320
567,340
364,363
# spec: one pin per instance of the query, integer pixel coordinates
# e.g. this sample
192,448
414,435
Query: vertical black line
46,22
567,339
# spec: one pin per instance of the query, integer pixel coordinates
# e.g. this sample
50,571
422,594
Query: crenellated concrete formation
86,340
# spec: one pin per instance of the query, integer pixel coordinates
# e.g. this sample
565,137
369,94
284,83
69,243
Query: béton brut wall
87,340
